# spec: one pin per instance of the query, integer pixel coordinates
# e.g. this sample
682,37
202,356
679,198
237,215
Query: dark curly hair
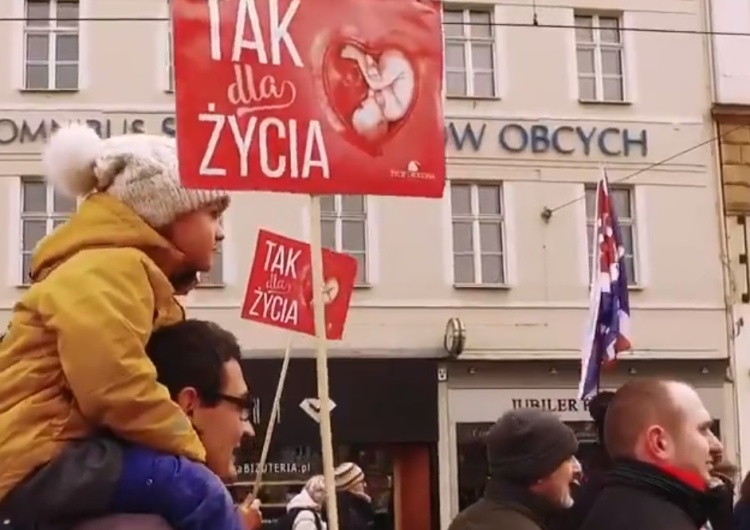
192,353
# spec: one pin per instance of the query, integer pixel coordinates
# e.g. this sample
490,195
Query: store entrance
289,467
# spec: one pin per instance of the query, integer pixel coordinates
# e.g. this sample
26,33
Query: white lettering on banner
279,32
275,307
267,94
274,303
243,142
283,262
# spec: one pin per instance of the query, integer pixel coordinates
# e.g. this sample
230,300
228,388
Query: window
622,199
344,229
42,210
170,52
214,277
469,53
478,230
51,60
599,54
289,467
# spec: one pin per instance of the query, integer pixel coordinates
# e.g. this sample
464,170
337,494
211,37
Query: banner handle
321,361
271,424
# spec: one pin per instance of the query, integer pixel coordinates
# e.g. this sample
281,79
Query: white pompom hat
140,170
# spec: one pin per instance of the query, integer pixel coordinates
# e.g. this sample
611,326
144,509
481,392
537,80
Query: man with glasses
199,363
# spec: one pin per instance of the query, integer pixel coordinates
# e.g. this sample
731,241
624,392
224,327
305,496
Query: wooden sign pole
271,424
321,361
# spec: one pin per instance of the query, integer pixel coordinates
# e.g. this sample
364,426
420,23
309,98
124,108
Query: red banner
316,97
279,292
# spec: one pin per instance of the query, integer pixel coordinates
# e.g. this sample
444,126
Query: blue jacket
102,475
185,493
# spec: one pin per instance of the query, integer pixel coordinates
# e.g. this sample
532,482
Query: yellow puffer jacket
73,356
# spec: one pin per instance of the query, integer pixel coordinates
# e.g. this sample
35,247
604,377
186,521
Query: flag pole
605,185
594,298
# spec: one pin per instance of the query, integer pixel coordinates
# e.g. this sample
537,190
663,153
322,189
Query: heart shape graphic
370,90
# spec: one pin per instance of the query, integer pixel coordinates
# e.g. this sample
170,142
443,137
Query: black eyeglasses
243,404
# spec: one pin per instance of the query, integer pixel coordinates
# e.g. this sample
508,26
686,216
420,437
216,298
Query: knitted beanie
526,445
316,489
348,475
140,170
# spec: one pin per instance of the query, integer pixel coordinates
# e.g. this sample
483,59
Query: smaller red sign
279,291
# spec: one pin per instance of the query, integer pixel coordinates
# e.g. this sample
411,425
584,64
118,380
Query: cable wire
548,212
533,24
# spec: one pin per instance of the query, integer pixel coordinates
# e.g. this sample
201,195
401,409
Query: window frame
466,40
338,216
52,30
169,87
49,216
206,280
219,255
622,221
476,218
596,46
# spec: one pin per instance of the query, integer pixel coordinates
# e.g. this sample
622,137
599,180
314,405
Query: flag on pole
608,328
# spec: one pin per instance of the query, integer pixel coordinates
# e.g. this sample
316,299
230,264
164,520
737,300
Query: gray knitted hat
526,445
140,170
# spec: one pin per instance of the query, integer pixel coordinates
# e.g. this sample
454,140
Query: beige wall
677,312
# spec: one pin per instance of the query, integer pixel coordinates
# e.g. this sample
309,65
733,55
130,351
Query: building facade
730,23
488,286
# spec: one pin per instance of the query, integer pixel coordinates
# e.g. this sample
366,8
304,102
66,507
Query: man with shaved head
658,432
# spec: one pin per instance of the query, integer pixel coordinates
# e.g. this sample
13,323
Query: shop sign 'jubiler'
310,96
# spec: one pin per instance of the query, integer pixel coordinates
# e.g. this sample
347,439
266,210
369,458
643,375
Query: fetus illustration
390,90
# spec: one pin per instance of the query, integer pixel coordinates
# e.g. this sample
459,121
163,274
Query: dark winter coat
636,495
506,506
355,512
742,515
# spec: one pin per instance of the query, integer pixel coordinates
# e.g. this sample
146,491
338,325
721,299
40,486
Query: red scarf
689,478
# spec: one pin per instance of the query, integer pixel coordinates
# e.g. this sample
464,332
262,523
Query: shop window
472,455
289,467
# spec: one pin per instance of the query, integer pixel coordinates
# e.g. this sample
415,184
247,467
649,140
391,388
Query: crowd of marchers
659,467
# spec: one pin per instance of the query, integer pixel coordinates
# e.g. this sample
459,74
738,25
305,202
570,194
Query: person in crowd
304,510
73,358
742,508
354,504
594,474
719,505
658,432
198,363
531,460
